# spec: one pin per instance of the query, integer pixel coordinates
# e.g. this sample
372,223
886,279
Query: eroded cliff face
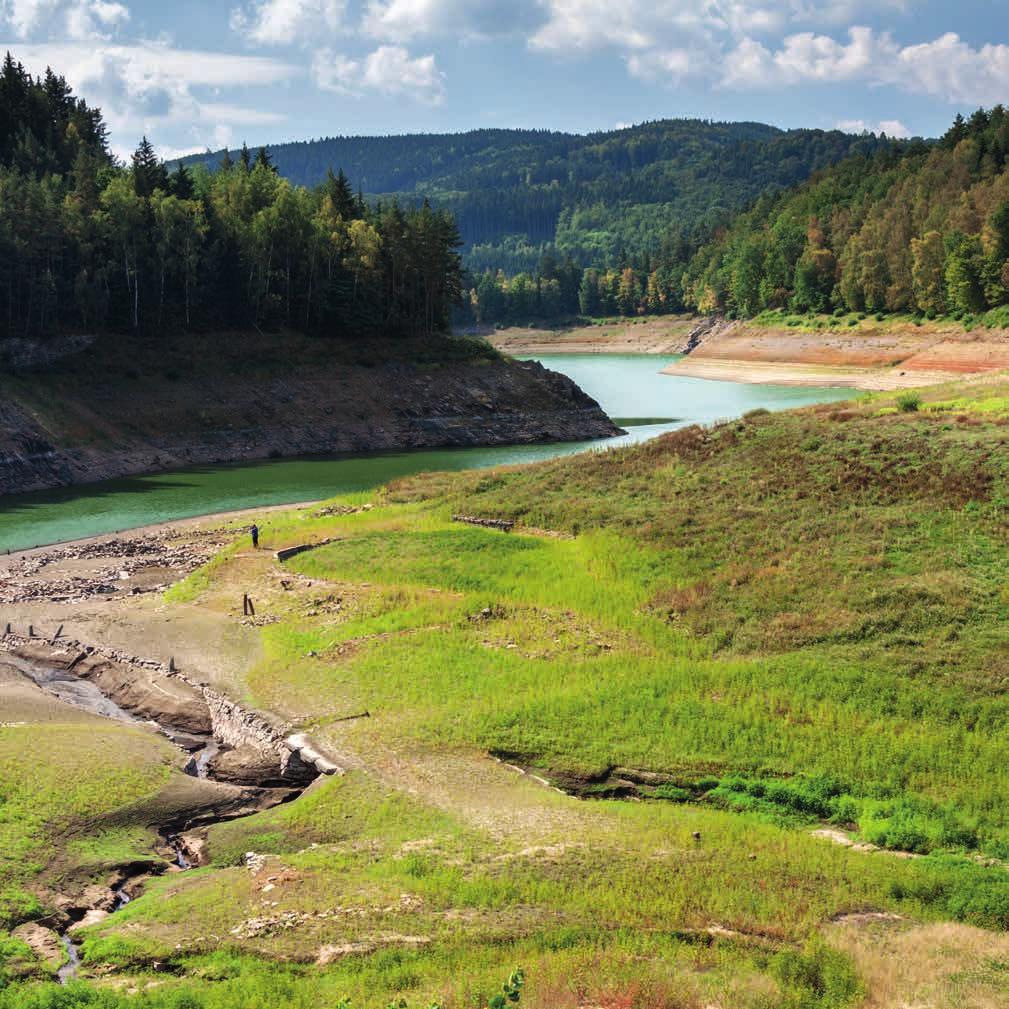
79,425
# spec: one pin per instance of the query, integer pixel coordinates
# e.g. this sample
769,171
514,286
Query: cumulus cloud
405,20
389,70
281,22
891,127
668,66
82,20
947,68
149,87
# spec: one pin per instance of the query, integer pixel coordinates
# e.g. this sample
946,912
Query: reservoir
628,386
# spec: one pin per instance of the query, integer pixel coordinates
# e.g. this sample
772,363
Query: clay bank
106,412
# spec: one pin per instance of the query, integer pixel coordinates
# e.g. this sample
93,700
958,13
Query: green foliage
595,199
866,245
909,402
817,977
133,249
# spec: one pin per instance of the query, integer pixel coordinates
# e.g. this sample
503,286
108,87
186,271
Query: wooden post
59,632
171,664
31,631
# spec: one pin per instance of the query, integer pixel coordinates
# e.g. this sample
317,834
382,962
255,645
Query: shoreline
808,375
154,528
660,336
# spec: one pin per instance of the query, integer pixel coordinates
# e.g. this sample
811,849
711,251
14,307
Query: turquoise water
628,386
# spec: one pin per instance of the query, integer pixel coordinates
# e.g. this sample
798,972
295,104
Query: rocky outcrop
151,691
43,942
96,425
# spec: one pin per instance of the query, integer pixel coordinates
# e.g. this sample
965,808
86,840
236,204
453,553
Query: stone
44,942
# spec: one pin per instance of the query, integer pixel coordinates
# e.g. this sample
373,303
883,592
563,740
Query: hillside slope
104,414
921,229
764,664
595,196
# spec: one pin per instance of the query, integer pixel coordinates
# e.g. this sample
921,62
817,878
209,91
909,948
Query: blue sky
194,74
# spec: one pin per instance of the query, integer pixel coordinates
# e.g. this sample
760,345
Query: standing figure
255,536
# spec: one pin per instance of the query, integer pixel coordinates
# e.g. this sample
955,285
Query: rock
330,954
97,897
246,765
334,408
93,917
44,942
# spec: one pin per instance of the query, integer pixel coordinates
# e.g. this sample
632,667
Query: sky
193,74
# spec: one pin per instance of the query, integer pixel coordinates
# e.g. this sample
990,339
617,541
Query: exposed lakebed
242,759
628,386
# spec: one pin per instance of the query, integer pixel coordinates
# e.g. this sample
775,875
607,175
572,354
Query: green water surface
628,386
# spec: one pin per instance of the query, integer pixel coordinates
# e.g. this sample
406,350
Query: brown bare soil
663,335
883,356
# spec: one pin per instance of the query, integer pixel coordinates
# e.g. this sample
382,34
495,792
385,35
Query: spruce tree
263,160
148,172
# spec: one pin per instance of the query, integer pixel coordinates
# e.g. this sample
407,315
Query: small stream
68,971
86,696
69,688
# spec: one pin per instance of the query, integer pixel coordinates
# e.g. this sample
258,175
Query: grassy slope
61,773
800,617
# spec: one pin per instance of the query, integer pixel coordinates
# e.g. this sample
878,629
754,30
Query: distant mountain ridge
598,197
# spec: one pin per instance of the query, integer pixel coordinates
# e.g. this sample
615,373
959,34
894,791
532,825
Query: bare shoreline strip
159,527
826,376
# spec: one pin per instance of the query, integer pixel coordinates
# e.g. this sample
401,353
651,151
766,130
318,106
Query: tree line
917,228
600,199
86,243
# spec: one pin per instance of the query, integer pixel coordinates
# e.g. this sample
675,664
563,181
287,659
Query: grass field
783,630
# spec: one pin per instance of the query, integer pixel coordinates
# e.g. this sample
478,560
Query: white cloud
891,127
405,20
946,68
668,66
76,19
153,88
282,22
679,24
389,70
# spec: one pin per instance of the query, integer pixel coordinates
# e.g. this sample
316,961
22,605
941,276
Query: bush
909,402
816,978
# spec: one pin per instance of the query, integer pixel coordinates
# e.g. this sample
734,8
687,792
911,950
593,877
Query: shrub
816,978
908,402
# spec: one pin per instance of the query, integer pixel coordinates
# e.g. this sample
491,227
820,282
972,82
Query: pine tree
245,158
338,189
263,160
149,173
182,183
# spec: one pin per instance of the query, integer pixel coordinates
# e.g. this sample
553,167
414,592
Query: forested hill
87,245
919,228
599,199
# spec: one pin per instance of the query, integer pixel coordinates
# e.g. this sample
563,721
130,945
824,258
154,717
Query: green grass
53,798
797,619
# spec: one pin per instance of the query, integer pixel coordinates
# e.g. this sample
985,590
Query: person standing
255,536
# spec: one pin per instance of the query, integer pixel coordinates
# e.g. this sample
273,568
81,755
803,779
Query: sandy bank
664,335
873,355
826,376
